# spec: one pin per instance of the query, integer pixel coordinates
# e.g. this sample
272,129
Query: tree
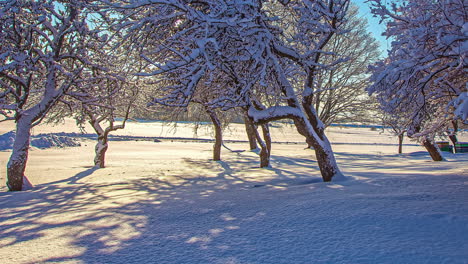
424,74
101,106
341,95
250,129
45,47
397,125
244,54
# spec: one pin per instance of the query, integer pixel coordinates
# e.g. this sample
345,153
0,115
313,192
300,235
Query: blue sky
374,27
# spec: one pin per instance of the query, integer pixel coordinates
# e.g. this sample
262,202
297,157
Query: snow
167,202
39,141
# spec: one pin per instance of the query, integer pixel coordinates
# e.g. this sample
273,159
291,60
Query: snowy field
167,202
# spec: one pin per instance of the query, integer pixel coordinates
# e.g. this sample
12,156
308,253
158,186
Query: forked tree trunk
400,143
433,149
218,133
103,134
264,154
265,145
100,150
250,130
19,155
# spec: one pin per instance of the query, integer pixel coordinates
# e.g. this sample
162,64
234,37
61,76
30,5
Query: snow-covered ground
167,202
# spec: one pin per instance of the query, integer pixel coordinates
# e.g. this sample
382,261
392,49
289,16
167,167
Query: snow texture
39,141
168,203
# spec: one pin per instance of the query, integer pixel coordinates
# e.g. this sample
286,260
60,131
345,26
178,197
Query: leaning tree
45,47
424,75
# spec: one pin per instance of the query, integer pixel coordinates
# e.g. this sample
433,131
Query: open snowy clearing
167,202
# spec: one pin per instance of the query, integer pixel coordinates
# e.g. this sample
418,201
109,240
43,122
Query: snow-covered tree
102,106
45,49
260,55
424,75
397,125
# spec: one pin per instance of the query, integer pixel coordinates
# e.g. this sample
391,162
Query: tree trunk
433,149
267,137
19,156
264,154
323,150
265,145
100,150
453,136
400,143
326,161
218,134
250,130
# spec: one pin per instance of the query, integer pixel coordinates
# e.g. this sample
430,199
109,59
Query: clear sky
374,27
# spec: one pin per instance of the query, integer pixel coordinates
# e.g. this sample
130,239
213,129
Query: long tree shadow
215,218
102,220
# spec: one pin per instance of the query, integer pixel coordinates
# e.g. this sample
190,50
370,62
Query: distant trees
46,48
424,76
340,94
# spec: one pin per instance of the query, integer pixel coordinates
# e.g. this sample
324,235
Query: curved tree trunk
100,151
306,120
264,153
218,133
19,156
433,149
400,143
250,130
315,136
326,161
103,134
265,146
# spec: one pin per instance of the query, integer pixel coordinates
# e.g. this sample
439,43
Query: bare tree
341,95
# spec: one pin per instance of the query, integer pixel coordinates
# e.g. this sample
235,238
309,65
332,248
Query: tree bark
323,151
400,143
264,154
265,145
267,137
250,130
432,148
327,162
100,150
218,133
103,134
453,136
19,156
